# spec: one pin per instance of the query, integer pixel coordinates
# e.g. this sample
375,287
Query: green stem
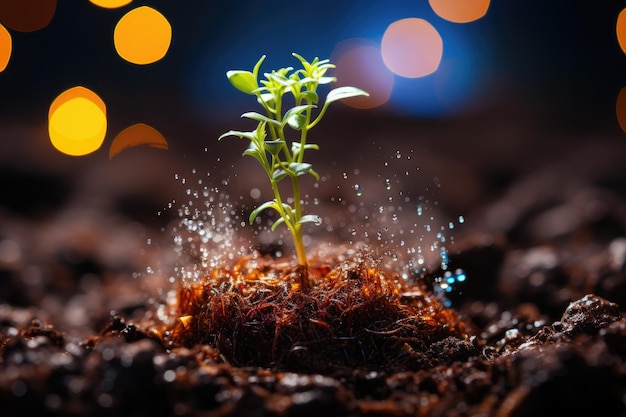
300,250
303,134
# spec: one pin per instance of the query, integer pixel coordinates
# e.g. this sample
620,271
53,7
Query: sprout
280,158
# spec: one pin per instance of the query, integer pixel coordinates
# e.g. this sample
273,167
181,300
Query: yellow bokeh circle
77,122
6,47
142,36
111,4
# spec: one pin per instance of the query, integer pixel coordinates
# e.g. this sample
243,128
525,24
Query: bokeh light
111,4
6,47
27,15
77,121
620,108
359,64
412,47
620,28
142,36
460,11
137,135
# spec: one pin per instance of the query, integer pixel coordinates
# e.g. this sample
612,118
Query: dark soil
538,328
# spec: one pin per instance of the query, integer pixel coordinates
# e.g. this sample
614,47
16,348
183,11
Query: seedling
280,156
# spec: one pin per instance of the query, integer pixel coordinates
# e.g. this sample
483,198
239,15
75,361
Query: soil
538,328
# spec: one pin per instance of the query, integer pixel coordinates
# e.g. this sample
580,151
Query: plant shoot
290,101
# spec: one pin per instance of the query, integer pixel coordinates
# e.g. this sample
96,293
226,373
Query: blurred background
470,101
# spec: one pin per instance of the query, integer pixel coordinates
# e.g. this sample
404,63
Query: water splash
208,233
404,223
447,284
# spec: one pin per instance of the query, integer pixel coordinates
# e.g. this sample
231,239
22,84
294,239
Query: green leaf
255,152
327,80
264,206
297,121
296,110
296,148
260,118
279,77
294,117
310,218
267,99
303,61
246,135
278,222
274,146
300,168
257,67
310,96
343,93
279,174
244,81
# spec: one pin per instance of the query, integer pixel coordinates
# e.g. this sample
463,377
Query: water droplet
388,183
461,219
345,175
358,189
255,193
451,225
420,210
444,259
460,275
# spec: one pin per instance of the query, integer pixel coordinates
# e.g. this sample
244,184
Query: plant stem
297,230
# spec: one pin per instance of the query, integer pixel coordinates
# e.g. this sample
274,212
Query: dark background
531,86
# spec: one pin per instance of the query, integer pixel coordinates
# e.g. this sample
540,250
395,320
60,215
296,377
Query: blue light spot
460,275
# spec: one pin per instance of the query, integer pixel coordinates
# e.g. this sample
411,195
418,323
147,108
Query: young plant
280,156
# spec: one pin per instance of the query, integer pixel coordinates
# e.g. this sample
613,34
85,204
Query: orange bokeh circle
142,36
460,11
6,47
110,4
412,47
27,15
359,64
620,29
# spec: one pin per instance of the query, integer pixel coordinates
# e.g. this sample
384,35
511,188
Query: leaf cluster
291,107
